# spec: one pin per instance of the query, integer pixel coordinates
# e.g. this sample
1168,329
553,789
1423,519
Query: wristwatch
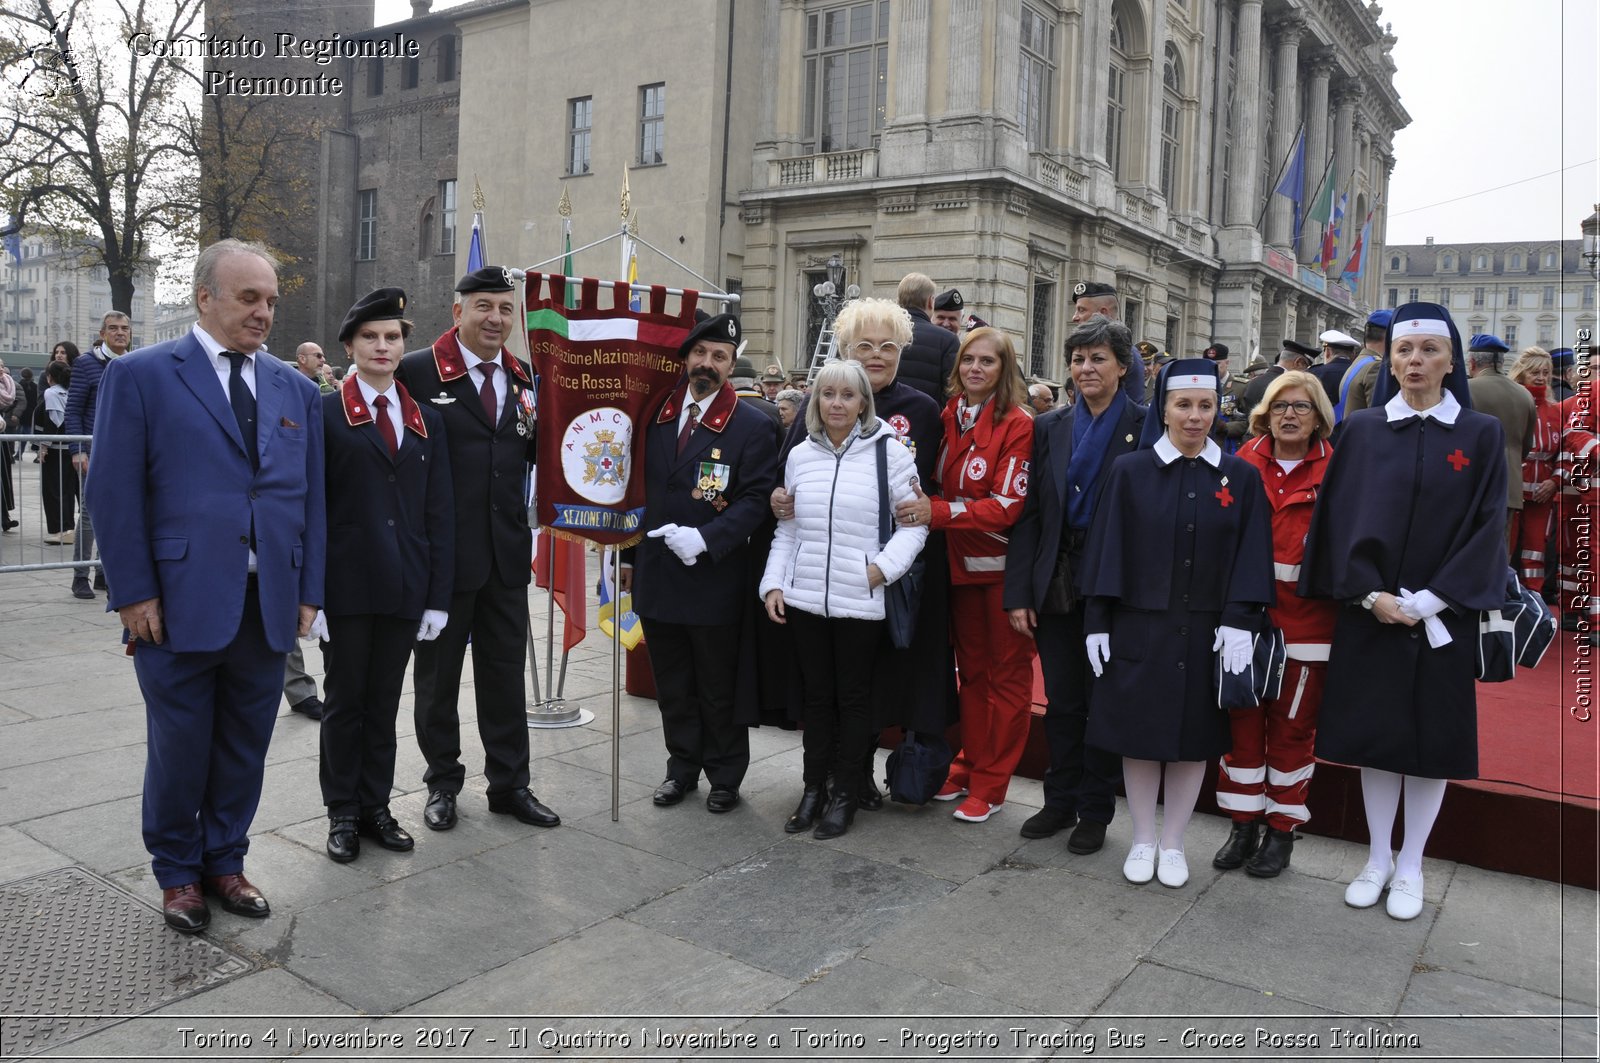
1370,600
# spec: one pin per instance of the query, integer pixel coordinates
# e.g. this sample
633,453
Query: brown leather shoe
237,895
185,909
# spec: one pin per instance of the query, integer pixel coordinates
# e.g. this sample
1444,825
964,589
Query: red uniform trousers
1269,769
995,665
1530,534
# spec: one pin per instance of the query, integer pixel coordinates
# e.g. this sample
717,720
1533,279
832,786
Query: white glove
433,622
1235,644
319,627
687,543
1099,647
1426,606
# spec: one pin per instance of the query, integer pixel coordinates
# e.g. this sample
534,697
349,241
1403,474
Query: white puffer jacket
819,558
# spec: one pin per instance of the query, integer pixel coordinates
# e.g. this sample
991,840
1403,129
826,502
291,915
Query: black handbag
1517,633
903,597
1262,680
918,768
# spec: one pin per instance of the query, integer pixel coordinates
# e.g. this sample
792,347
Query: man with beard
710,463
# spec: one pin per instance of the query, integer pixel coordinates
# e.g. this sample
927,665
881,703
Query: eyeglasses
863,349
1301,407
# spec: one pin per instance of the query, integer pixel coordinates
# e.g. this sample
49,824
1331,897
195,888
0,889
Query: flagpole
616,679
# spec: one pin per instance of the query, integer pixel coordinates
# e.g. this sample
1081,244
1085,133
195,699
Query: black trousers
366,659
695,667
496,616
837,657
58,488
1081,778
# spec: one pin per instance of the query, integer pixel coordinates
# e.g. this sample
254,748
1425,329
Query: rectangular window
1513,298
1444,296
847,76
1549,296
1036,78
1511,336
1044,295
1477,297
1588,296
367,227
375,77
1547,334
1412,298
580,122
447,57
447,217
1169,147
1394,297
652,124
410,72
1116,108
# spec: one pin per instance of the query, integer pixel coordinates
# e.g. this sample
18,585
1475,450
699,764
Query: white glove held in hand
319,627
687,543
1421,605
1235,644
1099,647
433,622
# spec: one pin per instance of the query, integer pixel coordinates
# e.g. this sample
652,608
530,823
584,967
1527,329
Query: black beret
724,328
385,304
1301,349
1217,351
950,300
1091,289
487,279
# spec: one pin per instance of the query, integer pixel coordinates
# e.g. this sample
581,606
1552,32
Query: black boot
837,819
869,798
1240,846
1273,856
805,813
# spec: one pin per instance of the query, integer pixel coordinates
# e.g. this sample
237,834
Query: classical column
1285,125
1242,192
966,57
911,62
1344,104
1316,118
1155,97
1007,60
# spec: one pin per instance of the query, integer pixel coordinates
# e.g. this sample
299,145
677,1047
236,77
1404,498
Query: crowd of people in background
892,539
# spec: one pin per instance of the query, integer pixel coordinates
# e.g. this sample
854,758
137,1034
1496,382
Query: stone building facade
58,292
1527,292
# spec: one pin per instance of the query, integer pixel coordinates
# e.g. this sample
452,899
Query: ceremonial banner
599,369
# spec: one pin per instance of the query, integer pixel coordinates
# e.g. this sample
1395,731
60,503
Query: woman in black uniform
1410,535
1178,566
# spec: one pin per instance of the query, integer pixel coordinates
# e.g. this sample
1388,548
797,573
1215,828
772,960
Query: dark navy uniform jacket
721,485
391,532
489,463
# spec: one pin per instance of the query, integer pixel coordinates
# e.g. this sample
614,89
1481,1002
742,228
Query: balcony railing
1062,178
827,168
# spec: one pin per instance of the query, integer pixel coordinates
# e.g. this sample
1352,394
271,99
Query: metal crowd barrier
27,546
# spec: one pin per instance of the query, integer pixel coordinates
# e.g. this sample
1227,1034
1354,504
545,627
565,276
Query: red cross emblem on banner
1459,460
1225,497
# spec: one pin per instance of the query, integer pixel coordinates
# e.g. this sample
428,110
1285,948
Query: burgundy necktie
386,426
491,406
688,427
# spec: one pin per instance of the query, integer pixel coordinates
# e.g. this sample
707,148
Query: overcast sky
1498,93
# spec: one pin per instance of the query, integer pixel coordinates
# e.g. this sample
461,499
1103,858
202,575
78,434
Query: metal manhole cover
81,953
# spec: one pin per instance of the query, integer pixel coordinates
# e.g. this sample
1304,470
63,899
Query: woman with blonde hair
825,578
1541,476
983,479
1266,775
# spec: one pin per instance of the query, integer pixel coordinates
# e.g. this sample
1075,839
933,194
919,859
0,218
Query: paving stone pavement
700,936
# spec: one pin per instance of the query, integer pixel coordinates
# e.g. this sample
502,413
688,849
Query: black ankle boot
1273,856
805,813
1240,846
837,819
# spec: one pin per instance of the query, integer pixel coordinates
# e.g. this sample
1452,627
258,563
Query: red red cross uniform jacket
983,479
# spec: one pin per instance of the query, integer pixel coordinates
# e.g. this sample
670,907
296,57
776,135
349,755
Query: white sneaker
53,540
1171,868
1405,898
1368,886
1140,866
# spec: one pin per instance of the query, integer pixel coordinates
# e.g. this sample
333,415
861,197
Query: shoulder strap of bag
885,517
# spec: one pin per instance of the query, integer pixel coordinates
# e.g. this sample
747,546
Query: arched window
1171,117
1117,93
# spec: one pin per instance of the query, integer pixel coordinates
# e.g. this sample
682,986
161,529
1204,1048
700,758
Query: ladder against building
824,351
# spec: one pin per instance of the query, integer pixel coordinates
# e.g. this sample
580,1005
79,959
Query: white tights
1142,780
1380,792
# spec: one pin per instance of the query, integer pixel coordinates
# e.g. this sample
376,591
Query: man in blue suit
206,482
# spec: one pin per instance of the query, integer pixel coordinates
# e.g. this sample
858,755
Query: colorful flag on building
1293,182
1357,265
1330,235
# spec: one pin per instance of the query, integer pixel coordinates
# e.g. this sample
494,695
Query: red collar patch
716,416
356,411
452,365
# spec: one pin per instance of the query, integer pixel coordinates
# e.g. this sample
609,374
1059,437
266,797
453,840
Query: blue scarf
1090,437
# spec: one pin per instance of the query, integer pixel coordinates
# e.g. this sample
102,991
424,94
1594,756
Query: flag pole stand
553,712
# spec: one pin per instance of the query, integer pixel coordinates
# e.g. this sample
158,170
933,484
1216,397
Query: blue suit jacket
1036,537
173,496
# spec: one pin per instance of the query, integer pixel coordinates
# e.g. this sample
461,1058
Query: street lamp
1591,242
